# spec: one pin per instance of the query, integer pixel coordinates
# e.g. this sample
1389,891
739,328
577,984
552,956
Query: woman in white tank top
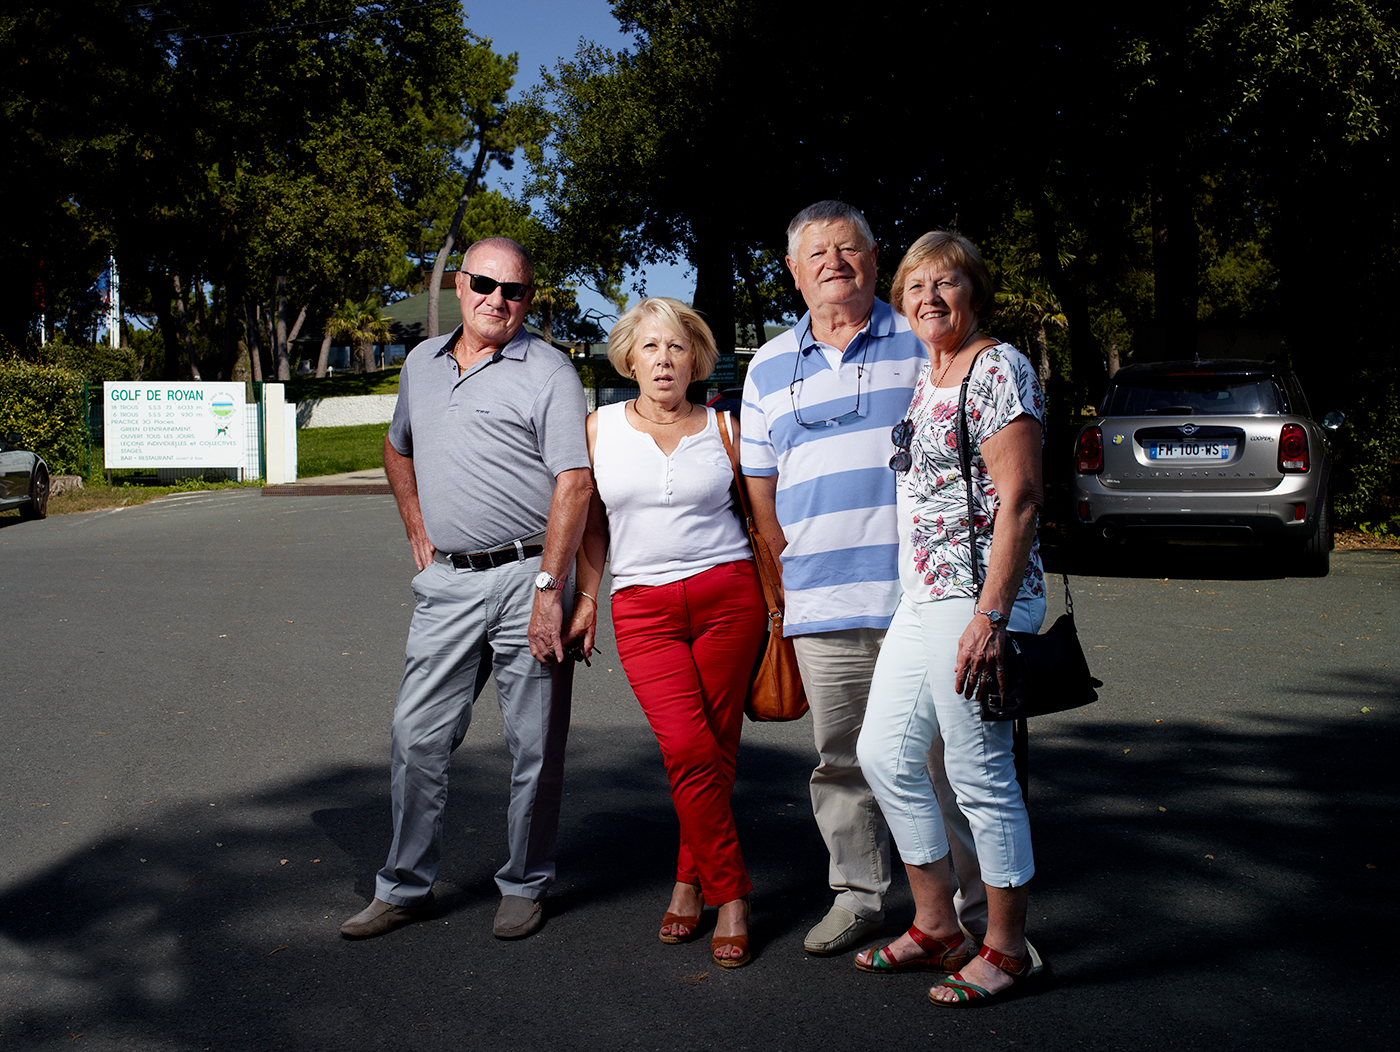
686,605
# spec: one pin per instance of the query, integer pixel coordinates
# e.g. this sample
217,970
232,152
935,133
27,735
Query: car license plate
1189,449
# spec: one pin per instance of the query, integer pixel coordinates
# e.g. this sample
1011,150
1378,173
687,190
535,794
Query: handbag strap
722,419
763,558
965,462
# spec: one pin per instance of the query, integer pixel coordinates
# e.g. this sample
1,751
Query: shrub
1366,484
94,362
45,406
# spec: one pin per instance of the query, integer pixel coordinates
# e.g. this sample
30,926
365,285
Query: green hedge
1366,482
44,405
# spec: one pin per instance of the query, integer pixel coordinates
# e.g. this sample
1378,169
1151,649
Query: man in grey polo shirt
488,461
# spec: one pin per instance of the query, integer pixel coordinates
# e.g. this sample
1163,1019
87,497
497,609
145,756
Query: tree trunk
183,326
323,360
279,340
546,320
296,329
161,299
440,263
251,324
296,325
232,361
200,312
1040,352
714,288
362,355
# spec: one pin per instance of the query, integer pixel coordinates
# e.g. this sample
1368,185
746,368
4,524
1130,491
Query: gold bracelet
580,591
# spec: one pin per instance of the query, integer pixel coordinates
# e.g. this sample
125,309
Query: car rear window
1201,395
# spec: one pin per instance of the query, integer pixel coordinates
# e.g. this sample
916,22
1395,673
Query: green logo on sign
222,405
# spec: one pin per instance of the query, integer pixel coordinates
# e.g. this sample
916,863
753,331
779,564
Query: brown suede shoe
380,917
517,917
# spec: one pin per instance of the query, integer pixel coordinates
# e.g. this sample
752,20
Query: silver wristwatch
996,617
546,582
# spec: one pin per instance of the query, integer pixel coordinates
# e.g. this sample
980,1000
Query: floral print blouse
934,561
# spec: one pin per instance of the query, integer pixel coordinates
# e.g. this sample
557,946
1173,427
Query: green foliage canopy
280,153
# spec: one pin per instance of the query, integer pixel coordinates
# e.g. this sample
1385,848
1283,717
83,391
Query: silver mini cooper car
1206,452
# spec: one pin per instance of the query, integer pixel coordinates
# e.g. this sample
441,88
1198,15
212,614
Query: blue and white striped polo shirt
836,493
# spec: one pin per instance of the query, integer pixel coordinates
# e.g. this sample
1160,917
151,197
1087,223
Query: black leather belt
487,560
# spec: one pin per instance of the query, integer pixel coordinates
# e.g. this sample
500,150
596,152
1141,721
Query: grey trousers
836,672
467,625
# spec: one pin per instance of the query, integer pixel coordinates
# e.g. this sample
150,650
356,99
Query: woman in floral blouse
946,644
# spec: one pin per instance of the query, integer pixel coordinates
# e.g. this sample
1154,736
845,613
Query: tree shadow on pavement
1197,883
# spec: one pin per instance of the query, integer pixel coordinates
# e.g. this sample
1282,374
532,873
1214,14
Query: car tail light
1088,451
1293,448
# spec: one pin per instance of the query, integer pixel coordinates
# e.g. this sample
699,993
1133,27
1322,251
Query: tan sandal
668,919
739,941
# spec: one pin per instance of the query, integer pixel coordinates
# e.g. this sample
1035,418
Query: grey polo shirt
488,444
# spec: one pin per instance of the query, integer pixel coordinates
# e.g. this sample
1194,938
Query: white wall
346,412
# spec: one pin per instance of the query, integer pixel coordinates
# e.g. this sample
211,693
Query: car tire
1315,557
38,506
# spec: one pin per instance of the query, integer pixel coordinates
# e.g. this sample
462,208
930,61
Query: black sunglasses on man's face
484,286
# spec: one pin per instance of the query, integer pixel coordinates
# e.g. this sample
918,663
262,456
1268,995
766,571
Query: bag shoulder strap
763,557
965,462
723,420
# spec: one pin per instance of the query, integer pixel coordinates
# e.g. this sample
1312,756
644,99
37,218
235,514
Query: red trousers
688,649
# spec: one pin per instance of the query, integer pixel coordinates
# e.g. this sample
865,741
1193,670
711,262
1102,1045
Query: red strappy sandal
1019,968
940,955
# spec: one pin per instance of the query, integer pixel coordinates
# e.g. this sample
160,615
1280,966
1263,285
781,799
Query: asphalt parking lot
197,694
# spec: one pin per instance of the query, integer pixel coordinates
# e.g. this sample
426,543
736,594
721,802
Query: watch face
545,581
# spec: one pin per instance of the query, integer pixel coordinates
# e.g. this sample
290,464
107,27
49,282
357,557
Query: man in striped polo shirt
819,403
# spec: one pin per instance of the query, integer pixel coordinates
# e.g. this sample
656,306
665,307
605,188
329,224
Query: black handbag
1045,672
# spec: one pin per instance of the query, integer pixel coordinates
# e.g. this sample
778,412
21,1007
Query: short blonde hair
676,316
952,249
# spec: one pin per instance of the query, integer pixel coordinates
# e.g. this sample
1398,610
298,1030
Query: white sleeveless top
669,517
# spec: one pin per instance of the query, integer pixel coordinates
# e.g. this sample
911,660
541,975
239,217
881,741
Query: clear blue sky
542,32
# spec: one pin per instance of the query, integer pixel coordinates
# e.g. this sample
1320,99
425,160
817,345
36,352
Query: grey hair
826,212
506,243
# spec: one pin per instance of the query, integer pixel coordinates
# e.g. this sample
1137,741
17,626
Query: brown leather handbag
775,689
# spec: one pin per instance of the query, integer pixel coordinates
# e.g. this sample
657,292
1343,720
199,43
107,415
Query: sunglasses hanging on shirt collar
794,387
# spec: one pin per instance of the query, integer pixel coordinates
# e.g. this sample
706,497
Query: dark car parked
24,479
1207,452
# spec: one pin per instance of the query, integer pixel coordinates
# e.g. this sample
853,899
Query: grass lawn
332,450
341,385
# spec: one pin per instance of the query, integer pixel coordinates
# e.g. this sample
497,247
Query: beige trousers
836,671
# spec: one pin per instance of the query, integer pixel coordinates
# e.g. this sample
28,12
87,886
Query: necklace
939,381
661,423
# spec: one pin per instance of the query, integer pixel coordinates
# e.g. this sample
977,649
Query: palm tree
1026,304
365,326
